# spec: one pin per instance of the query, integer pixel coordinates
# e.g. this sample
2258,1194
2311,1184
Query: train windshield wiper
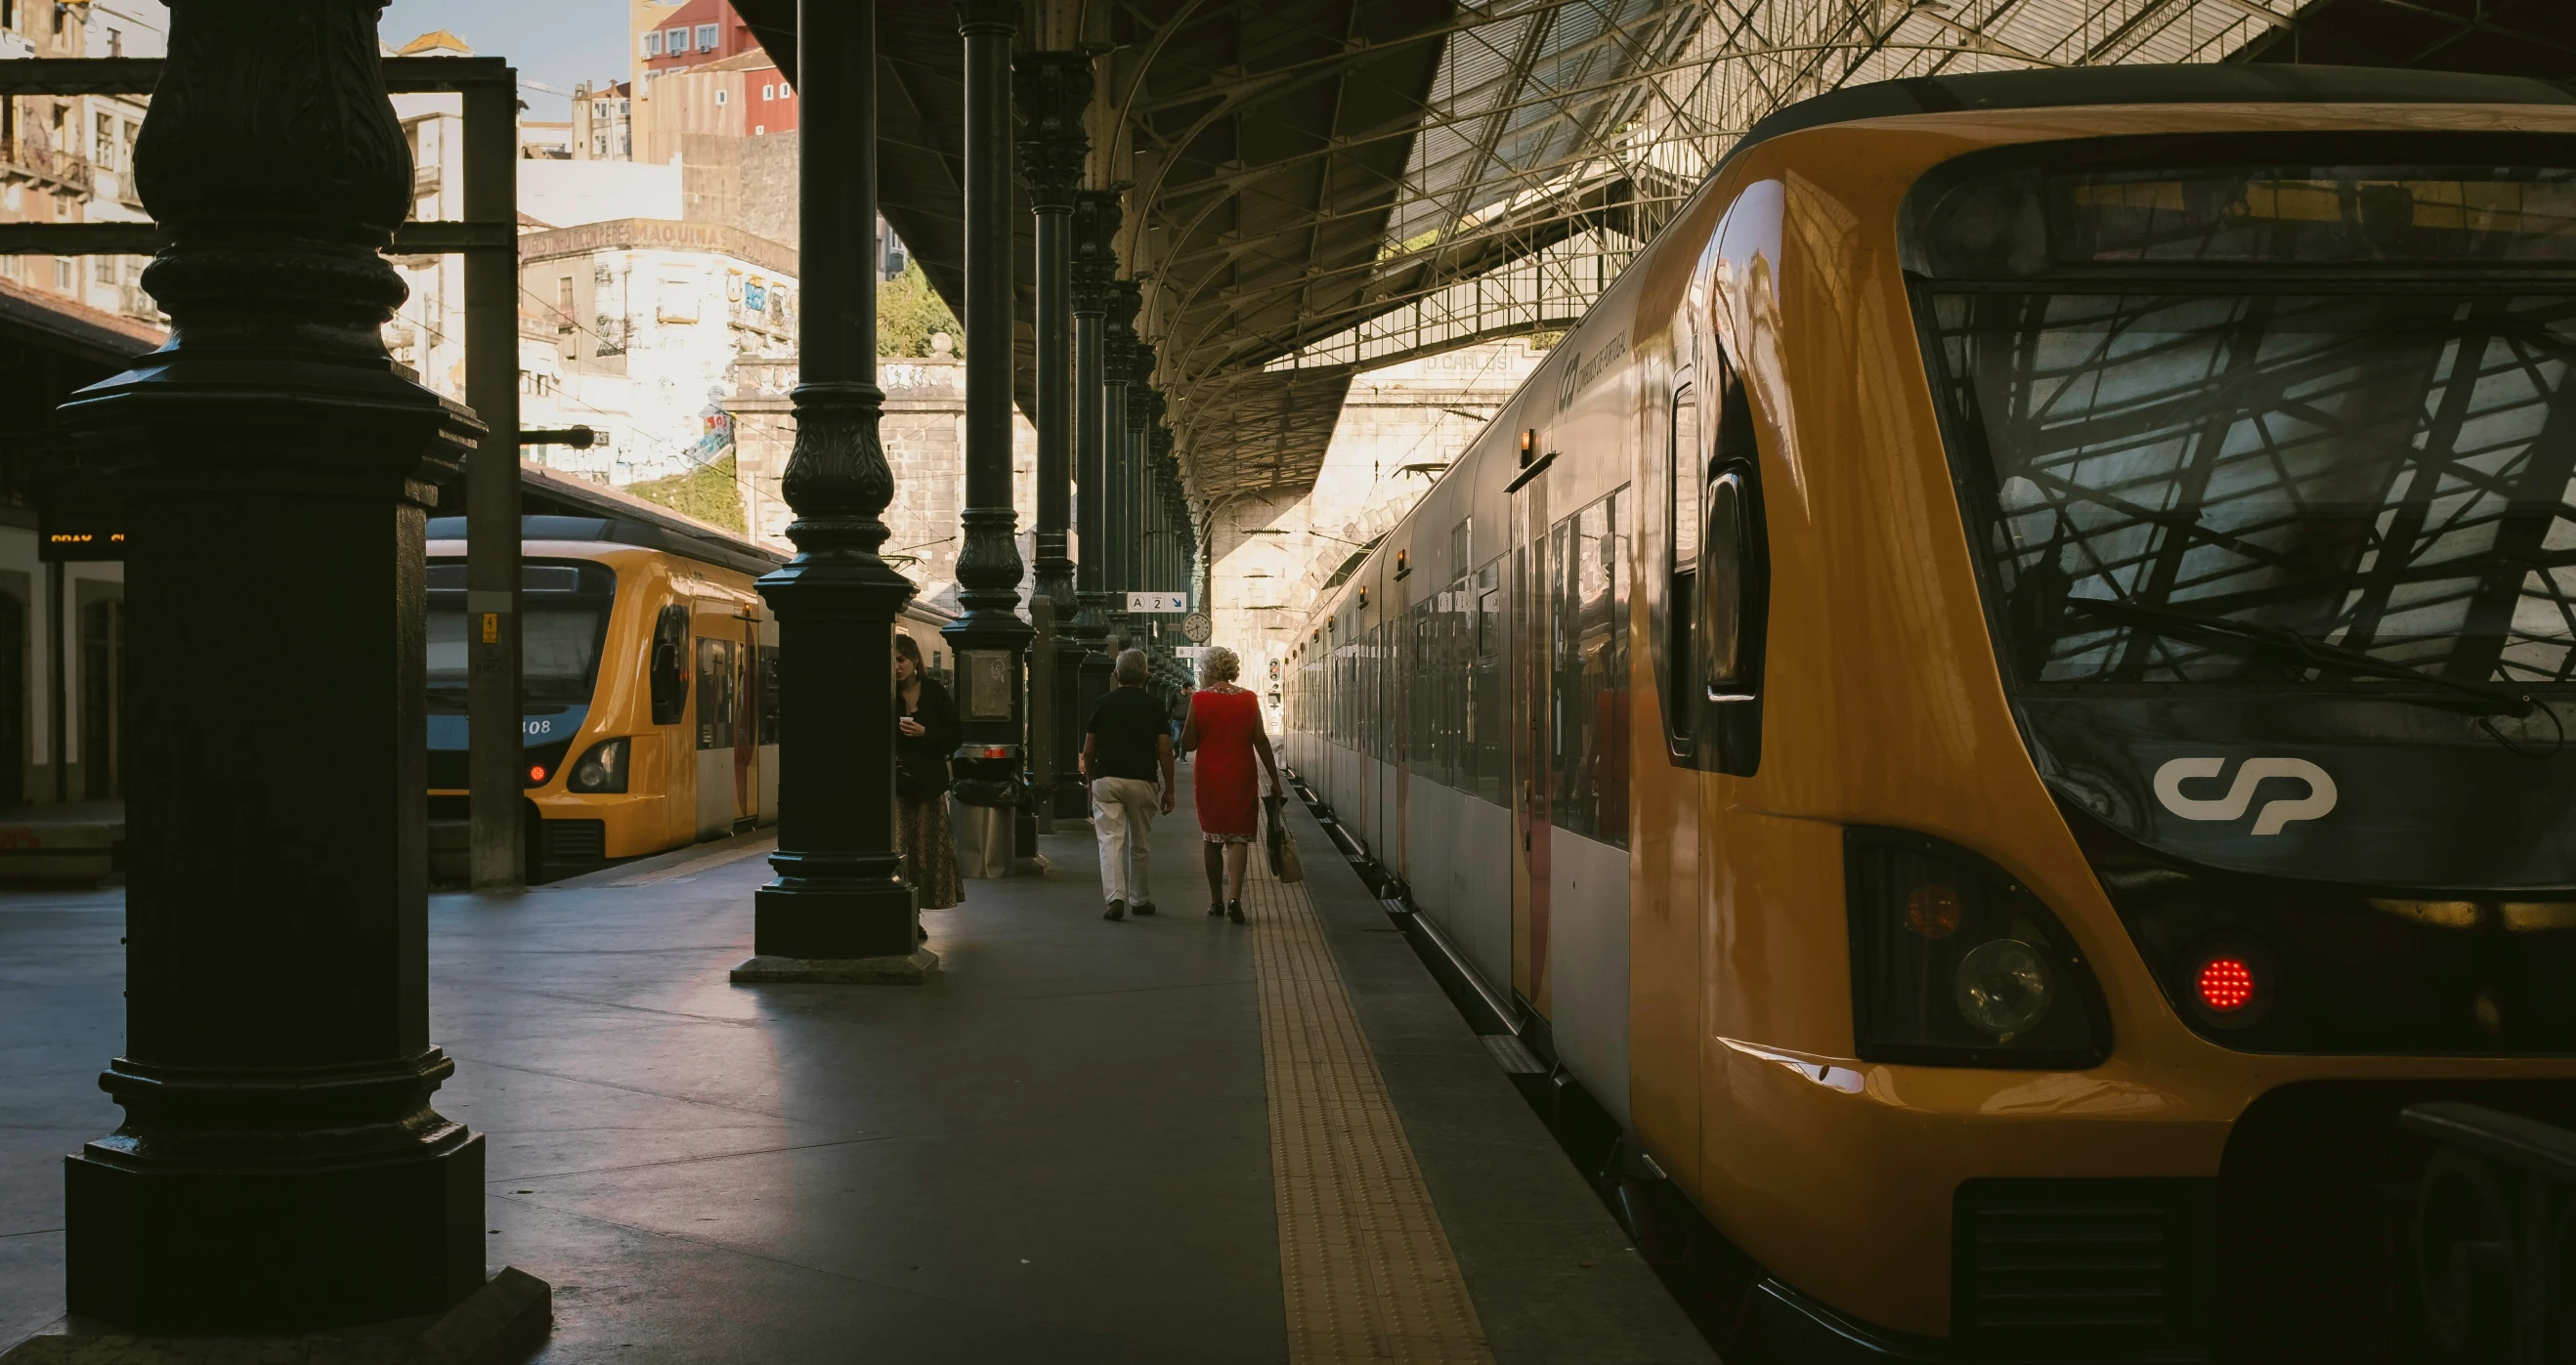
2249,640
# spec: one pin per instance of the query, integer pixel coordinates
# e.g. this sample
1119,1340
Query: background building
655,324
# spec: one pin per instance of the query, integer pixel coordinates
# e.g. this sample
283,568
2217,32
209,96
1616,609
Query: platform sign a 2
1157,603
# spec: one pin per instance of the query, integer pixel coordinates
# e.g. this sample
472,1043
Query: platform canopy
1317,187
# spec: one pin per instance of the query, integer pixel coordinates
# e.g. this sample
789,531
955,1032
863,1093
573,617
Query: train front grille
2081,1269
571,843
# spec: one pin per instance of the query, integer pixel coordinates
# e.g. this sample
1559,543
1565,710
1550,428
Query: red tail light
2228,981
2226,984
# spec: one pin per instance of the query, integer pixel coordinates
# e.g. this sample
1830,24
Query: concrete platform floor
1059,1151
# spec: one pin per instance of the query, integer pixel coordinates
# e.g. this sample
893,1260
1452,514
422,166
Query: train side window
1688,468
1721,598
669,666
1733,596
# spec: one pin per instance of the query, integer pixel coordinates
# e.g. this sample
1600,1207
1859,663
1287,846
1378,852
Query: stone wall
1270,556
924,435
743,182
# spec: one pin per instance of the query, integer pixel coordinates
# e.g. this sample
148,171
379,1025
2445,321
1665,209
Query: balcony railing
28,159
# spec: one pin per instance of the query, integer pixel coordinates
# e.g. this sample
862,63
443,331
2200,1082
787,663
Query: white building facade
655,326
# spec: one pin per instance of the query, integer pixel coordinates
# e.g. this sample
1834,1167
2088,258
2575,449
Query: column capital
1126,298
1052,89
1096,215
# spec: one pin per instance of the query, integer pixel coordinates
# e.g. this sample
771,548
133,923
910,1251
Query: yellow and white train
2020,655
648,666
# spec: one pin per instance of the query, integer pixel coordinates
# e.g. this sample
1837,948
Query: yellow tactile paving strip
1367,1271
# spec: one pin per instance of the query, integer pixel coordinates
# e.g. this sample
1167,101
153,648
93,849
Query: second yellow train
648,667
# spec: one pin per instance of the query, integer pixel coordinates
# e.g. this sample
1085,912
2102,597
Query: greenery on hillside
908,311
707,492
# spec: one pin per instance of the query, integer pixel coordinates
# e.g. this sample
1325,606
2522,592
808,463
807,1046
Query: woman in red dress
1226,732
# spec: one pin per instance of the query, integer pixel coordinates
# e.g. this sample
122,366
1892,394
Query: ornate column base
233,1233
913,970
829,908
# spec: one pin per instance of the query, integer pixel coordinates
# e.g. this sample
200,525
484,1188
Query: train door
1371,712
719,659
1533,688
746,721
1402,659
766,688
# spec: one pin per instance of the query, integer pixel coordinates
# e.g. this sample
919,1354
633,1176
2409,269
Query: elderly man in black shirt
1127,739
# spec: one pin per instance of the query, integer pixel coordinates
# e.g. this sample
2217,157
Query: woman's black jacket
921,761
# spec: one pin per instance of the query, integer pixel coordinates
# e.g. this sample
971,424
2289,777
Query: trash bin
983,840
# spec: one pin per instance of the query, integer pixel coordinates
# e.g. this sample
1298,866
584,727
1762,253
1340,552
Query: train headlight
2005,988
1954,963
602,768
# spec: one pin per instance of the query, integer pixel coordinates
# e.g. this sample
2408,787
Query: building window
760,130
720,97
706,37
768,92
679,42
106,157
653,43
63,274
103,269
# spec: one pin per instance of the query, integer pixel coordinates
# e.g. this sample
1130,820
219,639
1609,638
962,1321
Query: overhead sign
87,542
1150,603
1189,653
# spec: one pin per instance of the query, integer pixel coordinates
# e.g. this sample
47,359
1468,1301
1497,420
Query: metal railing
2493,1215
40,161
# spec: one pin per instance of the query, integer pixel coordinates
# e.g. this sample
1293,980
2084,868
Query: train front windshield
2332,401
2269,466
563,622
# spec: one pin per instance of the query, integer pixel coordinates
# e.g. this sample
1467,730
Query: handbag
1284,862
1273,829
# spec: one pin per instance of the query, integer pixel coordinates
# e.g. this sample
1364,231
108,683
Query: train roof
739,556
2069,87
569,508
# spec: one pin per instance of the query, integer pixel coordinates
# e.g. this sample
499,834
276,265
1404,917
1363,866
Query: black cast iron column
838,896
1054,88
990,639
1158,465
1147,416
279,1167
1118,513
1095,231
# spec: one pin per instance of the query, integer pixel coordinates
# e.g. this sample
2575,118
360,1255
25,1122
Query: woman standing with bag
925,735
1225,730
